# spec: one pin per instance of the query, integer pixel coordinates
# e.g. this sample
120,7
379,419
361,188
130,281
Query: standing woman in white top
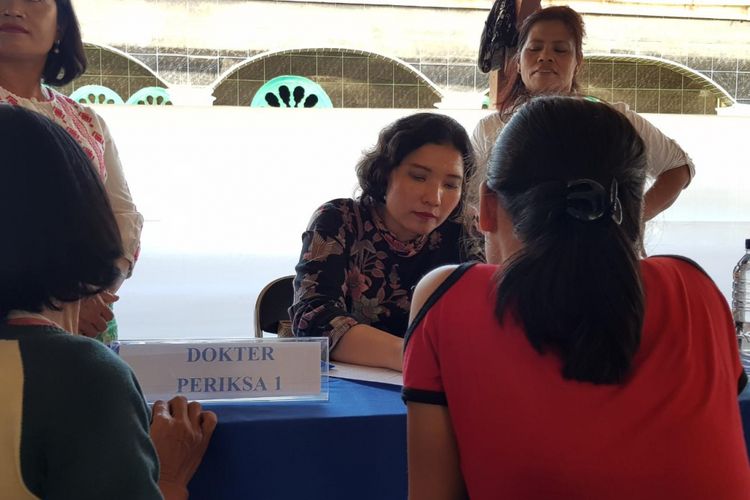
40,43
550,55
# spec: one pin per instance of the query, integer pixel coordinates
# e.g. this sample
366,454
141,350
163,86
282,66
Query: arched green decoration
151,96
290,91
96,94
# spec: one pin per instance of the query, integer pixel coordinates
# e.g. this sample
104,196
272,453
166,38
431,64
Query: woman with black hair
548,61
567,367
362,257
73,421
40,45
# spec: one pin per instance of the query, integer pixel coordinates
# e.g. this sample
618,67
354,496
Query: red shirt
672,431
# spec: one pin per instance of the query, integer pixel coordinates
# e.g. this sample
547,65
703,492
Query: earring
56,47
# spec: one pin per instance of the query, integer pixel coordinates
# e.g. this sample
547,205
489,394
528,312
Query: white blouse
662,153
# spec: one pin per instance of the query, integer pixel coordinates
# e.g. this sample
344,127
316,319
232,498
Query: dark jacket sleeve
320,288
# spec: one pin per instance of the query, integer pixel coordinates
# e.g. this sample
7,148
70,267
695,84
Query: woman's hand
180,432
95,313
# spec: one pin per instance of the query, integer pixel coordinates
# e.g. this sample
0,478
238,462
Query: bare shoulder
427,286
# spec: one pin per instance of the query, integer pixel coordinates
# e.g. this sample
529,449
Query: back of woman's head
570,173
60,239
404,136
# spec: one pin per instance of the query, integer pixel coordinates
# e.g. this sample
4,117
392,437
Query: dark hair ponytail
575,285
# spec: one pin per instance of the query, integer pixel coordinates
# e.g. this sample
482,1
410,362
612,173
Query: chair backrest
151,96
96,94
291,91
273,304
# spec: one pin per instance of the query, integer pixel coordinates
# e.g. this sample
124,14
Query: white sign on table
366,373
230,369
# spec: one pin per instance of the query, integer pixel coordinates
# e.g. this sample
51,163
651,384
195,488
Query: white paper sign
229,369
366,373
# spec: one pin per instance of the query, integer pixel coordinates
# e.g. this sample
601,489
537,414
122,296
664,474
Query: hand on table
95,313
180,432
368,346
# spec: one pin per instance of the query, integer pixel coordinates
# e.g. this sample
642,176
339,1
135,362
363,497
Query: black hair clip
585,200
615,207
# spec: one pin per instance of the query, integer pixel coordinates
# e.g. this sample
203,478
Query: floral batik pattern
352,270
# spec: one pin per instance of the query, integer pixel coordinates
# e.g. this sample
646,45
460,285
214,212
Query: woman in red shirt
569,368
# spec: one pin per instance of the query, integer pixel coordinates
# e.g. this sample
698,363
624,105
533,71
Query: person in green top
73,423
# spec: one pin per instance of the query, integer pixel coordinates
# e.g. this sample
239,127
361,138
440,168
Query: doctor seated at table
362,257
568,367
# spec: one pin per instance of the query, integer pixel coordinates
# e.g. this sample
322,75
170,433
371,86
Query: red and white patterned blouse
92,134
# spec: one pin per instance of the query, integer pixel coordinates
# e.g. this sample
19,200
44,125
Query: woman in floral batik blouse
361,258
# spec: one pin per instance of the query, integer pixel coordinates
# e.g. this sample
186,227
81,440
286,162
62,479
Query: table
351,447
745,411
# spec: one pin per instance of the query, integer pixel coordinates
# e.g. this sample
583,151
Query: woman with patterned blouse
361,258
41,46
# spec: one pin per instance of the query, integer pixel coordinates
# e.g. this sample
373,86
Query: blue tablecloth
745,411
351,447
